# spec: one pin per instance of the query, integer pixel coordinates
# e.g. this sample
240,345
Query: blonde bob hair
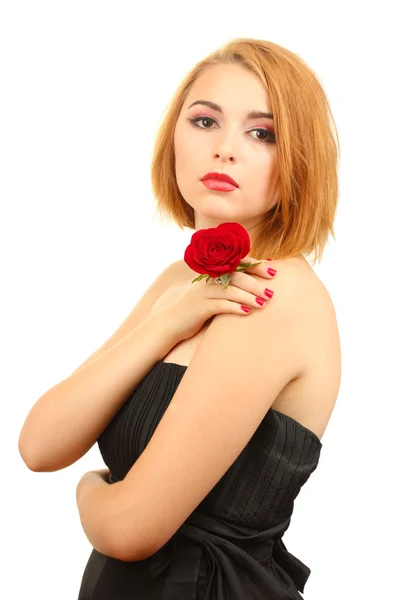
307,151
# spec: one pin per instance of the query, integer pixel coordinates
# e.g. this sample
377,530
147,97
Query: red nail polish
245,309
271,271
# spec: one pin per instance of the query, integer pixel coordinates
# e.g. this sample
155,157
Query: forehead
234,87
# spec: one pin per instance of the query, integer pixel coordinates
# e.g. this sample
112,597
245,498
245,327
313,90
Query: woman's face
227,142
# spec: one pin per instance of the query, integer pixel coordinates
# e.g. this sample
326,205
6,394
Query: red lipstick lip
220,177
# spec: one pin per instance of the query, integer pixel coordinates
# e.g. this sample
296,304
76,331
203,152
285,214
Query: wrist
170,325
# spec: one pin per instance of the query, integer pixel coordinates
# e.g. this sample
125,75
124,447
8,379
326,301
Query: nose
224,149
221,155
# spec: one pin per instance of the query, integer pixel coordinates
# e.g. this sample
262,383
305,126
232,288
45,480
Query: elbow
28,455
27,445
129,539
28,458
47,459
31,456
37,465
135,548
133,553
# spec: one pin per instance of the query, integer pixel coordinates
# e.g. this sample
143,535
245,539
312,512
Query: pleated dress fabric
231,546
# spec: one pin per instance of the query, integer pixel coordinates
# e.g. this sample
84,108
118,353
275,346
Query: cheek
187,145
179,143
265,171
259,175
182,147
189,157
260,185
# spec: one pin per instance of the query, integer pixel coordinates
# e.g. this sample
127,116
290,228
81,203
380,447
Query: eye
269,136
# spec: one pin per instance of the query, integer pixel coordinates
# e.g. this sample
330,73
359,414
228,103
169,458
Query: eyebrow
254,114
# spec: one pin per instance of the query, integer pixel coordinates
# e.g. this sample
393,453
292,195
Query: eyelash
264,141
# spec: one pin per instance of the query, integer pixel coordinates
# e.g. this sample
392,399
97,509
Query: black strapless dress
231,546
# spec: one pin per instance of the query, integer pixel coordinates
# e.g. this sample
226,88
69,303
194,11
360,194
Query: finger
103,473
250,260
264,269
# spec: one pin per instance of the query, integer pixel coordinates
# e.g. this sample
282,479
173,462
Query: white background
83,88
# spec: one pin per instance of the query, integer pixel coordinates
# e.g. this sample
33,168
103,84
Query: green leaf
201,277
226,279
243,266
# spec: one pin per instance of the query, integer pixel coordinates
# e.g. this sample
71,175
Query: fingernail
271,271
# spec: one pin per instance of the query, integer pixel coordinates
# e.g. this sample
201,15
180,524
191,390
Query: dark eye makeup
269,139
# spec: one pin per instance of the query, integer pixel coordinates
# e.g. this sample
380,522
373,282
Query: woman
235,409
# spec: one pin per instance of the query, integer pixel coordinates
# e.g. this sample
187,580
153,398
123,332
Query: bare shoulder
298,274
311,398
141,310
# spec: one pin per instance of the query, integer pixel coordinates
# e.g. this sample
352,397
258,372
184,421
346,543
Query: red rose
218,250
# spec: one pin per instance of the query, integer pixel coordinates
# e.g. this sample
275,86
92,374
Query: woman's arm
68,419
95,498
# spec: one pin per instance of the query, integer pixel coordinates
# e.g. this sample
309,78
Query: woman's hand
200,300
102,473
91,479
95,499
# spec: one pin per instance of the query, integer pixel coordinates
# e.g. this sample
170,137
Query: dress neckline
284,415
